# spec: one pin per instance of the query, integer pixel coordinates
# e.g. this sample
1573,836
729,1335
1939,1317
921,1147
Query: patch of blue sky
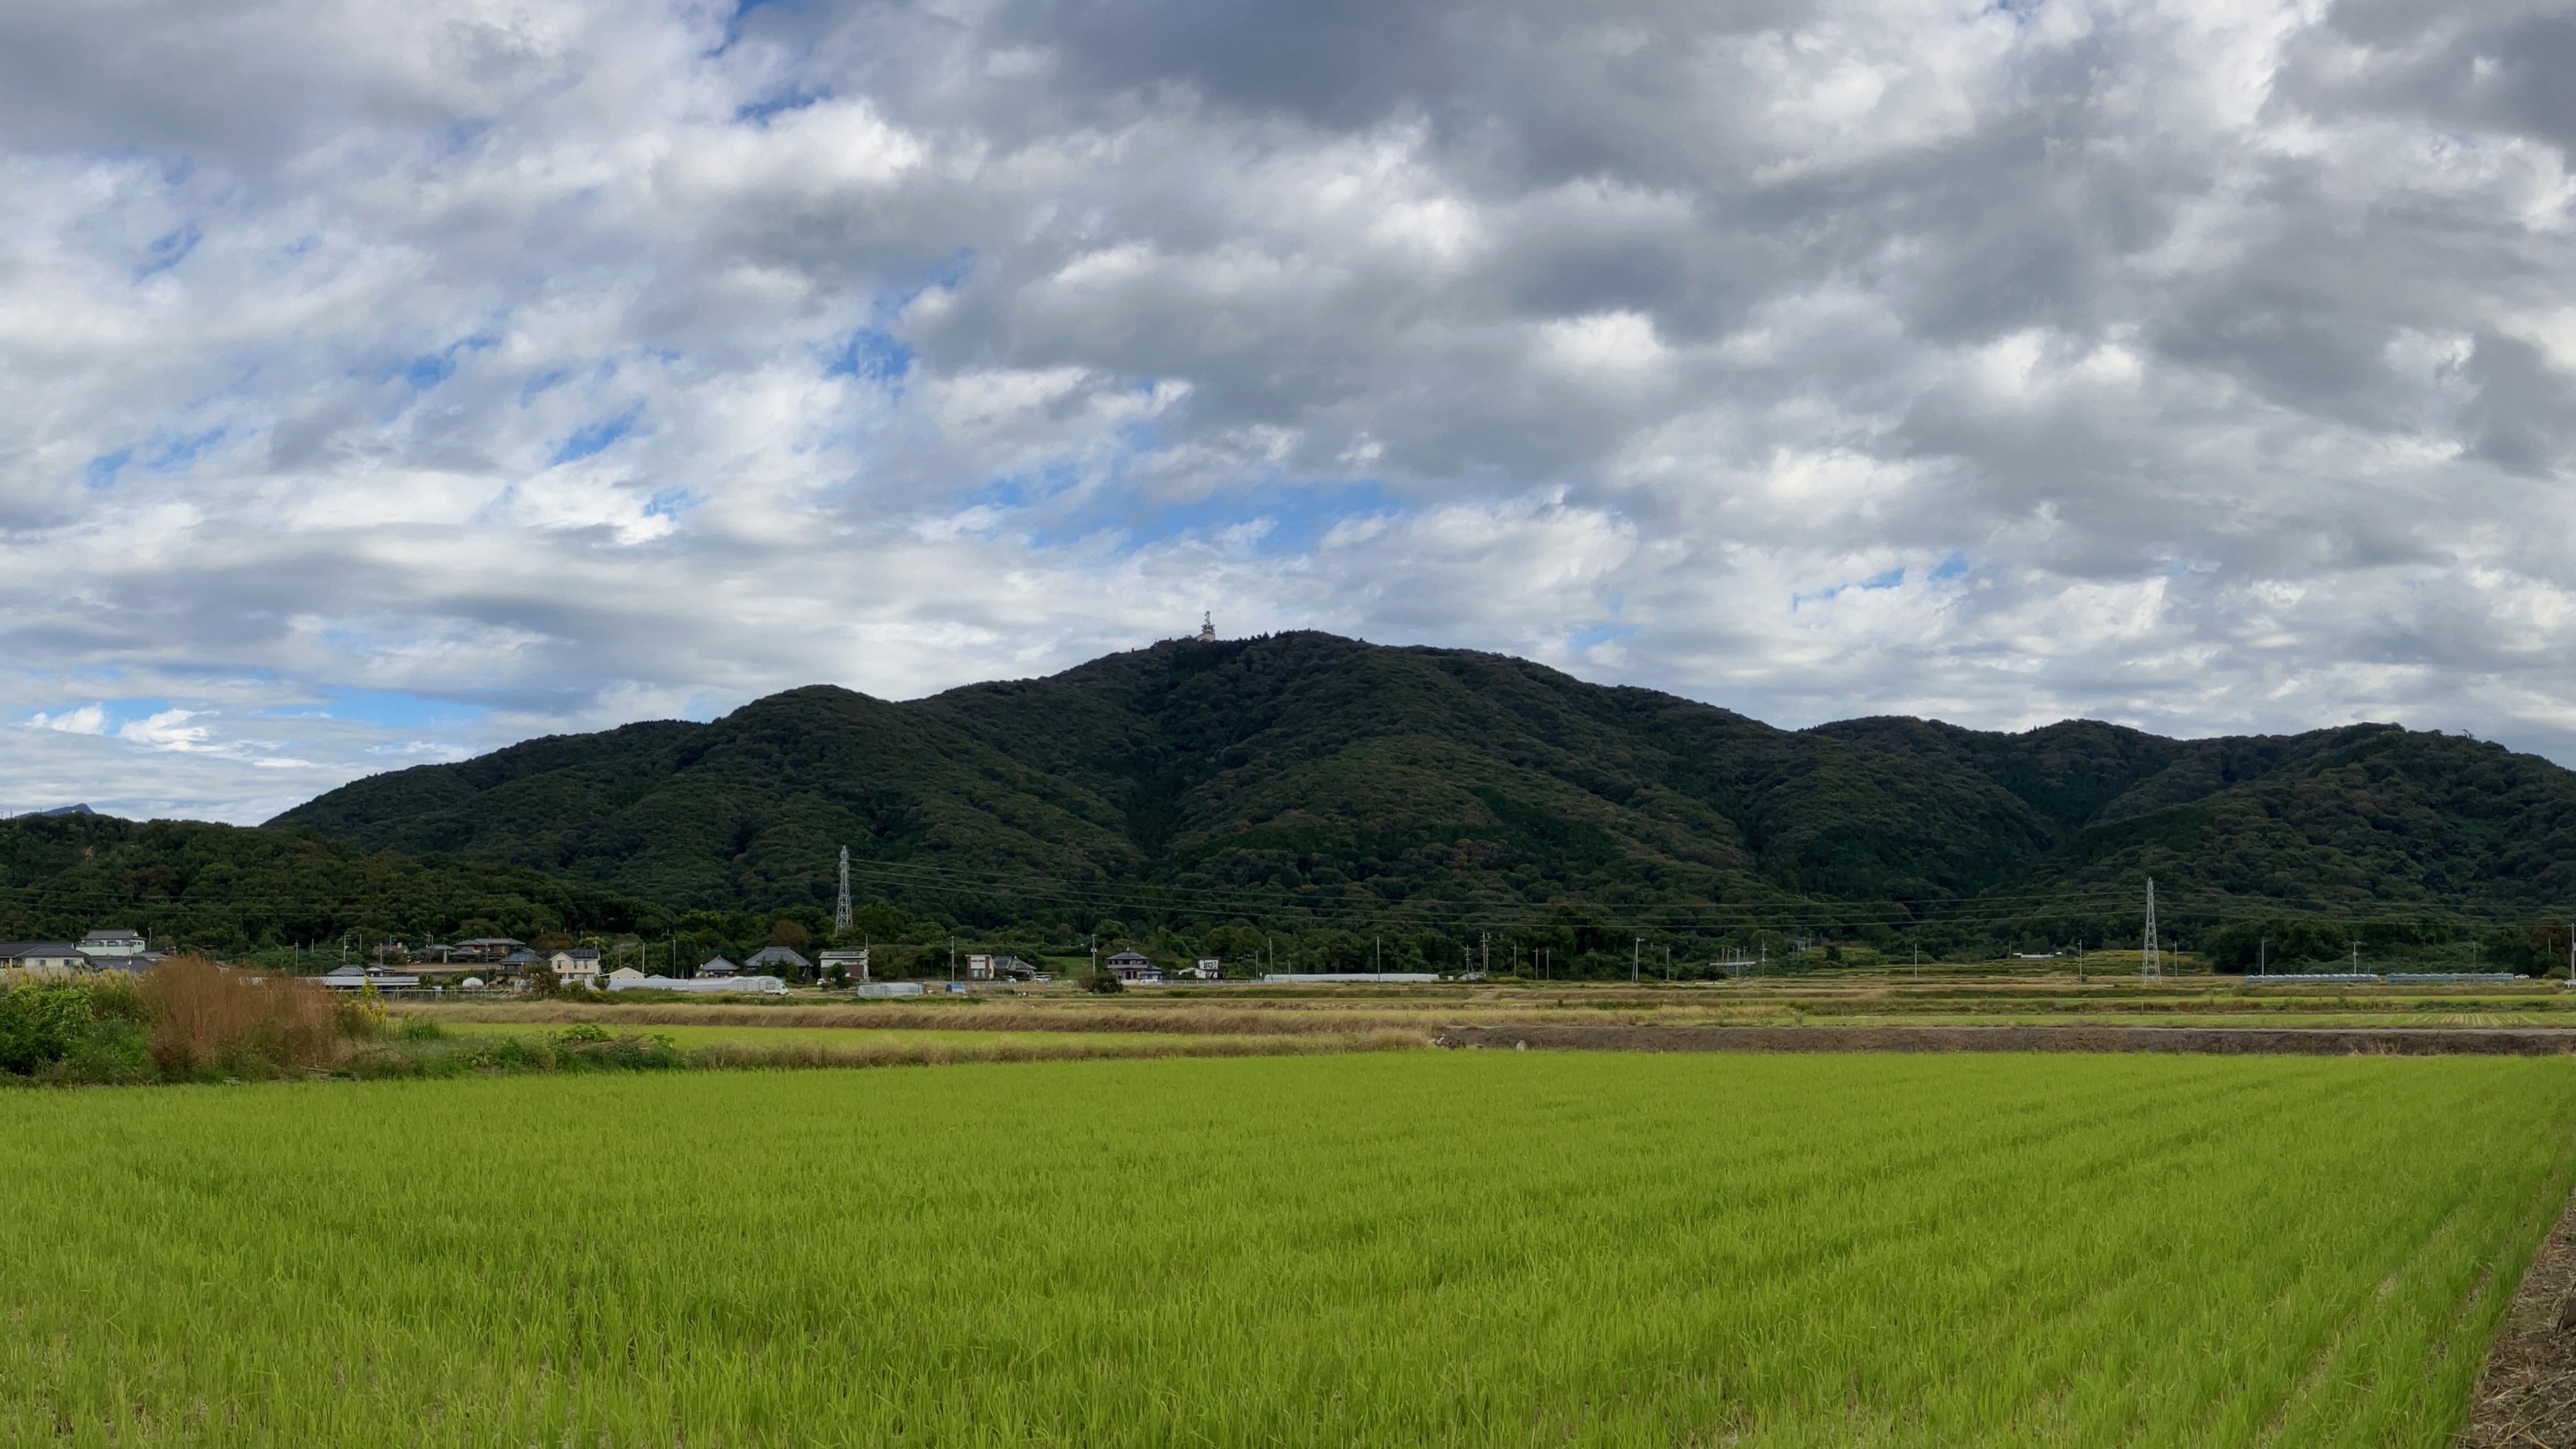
115,714
1888,580
794,98
1274,518
168,250
597,438
1953,567
871,355
670,503
540,384
458,137
390,708
1598,635
943,275
743,10
103,469
430,369
174,452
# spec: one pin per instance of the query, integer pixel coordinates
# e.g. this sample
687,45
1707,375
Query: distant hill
234,888
1308,777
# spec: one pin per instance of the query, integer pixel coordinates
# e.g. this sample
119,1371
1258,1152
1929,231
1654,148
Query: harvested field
2527,1398
2221,1041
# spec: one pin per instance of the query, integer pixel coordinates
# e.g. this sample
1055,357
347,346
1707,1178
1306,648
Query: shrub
208,1020
361,1014
74,1031
41,1022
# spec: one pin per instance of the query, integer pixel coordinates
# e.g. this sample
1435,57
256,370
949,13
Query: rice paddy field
1466,1248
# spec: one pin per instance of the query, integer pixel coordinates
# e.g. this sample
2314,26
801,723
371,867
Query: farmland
1490,1247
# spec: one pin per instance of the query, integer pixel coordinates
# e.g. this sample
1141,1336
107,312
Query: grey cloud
1815,358
2523,416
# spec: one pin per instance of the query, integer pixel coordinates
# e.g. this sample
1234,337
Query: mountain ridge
1306,776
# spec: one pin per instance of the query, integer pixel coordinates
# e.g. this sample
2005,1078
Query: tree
790,935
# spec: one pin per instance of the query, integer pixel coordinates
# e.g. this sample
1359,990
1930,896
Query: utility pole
1636,945
841,912
2151,965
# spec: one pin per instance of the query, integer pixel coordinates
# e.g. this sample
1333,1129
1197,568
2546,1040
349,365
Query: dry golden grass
1161,1020
206,1016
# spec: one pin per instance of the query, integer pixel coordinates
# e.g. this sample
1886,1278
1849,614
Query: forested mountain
1304,777
192,883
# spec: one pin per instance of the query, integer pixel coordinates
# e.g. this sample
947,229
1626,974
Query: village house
853,964
358,978
777,957
999,968
577,967
118,943
717,966
42,958
1129,966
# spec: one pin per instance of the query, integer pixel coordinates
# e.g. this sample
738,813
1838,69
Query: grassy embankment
1367,1016
1394,1249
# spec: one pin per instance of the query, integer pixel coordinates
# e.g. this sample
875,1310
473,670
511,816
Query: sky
387,382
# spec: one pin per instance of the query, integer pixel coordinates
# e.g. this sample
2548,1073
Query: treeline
229,890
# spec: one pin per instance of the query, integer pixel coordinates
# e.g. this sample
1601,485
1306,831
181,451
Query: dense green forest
188,884
1359,800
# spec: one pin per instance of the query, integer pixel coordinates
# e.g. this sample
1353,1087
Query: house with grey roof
779,956
42,958
112,943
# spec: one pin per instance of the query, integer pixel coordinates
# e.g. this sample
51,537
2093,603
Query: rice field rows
1492,1247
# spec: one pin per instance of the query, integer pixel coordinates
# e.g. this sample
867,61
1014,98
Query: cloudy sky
388,380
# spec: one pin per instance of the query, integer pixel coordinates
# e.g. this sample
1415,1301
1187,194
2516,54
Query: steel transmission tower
2151,966
841,912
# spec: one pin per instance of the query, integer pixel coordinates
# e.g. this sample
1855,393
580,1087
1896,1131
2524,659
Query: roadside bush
361,1014
210,1021
74,1031
41,1022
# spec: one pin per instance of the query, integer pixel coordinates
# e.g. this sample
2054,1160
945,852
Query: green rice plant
1416,1248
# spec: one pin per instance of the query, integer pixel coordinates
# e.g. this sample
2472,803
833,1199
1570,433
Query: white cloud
548,366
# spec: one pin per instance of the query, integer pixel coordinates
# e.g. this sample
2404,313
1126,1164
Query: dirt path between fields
2224,1040
2527,1396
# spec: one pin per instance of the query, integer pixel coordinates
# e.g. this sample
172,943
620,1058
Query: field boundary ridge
2404,1041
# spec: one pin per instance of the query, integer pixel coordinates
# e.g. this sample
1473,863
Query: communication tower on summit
2151,966
841,912
1207,628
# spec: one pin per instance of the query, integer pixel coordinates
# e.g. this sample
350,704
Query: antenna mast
2151,966
841,912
